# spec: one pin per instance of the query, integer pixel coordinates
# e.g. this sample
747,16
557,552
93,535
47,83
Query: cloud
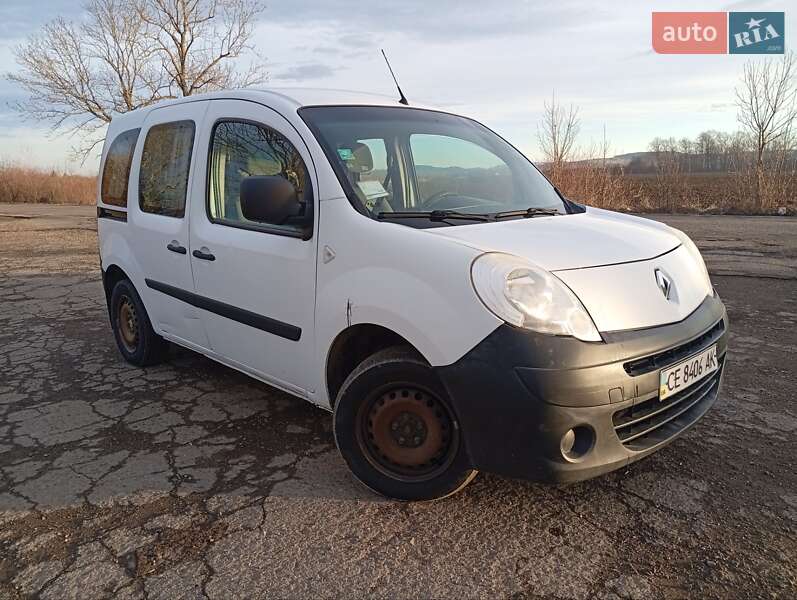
441,20
10,96
304,72
19,18
753,6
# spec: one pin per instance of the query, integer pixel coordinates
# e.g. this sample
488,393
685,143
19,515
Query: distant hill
434,171
631,162
646,162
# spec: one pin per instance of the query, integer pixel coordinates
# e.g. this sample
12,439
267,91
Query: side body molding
285,330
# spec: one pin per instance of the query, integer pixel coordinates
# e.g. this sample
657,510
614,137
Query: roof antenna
403,98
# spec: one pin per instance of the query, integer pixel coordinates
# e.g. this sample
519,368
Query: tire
137,341
396,429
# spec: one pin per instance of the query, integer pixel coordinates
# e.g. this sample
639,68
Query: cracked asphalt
190,480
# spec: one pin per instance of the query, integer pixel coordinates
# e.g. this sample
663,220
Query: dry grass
27,184
594,184
719,193
715,193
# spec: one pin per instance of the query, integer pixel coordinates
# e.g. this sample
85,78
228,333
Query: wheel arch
353,345
110,277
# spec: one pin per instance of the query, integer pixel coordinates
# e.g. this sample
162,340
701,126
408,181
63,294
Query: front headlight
690,247
525,295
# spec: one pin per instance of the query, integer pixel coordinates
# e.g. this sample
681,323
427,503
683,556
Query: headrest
357,157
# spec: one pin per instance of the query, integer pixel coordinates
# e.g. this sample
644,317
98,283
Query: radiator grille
648,423
647,364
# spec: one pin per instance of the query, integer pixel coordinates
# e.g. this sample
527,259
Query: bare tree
686,146
590,175
195,38
126,54
706,144
722,140
766,99
670,180
558,132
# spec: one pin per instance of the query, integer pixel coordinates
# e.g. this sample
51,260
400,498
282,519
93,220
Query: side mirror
268,199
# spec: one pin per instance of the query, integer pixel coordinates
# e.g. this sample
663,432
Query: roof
320,97
282,99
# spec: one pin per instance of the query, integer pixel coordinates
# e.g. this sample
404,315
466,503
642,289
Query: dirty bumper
557,409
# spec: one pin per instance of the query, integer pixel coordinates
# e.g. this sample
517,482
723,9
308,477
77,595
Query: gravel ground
189,479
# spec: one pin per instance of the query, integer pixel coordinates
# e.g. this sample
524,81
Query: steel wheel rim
127,320
407,432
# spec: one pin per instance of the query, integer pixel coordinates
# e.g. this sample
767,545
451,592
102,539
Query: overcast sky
496,61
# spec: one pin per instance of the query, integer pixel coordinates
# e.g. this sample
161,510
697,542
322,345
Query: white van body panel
415,284
588,239
113,236
115,249
626,296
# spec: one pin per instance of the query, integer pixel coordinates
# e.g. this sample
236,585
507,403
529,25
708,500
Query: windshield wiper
527,213
444,215
434,215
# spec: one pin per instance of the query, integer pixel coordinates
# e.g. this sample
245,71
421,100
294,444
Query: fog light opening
577,442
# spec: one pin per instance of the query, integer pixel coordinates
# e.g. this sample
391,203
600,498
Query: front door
255,282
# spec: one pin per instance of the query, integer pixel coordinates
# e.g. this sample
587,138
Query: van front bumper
517,394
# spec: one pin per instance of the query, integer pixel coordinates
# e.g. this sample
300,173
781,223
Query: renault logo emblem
664,283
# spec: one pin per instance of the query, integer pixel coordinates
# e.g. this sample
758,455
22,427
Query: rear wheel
135,338
395,428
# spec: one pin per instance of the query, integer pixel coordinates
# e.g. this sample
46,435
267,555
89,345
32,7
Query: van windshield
428,165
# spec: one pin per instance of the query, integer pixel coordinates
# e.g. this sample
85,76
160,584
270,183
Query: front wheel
396,430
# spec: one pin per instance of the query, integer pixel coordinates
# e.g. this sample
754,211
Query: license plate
686,373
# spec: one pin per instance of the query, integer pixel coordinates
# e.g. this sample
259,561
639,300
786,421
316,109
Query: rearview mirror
268,199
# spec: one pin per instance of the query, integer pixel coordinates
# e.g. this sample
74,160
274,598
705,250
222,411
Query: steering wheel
431,202
455,202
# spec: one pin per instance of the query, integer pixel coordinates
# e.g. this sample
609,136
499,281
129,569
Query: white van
412,272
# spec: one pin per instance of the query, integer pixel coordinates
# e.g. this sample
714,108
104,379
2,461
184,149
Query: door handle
175,246
203,255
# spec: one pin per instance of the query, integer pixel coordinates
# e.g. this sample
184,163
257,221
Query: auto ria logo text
719,32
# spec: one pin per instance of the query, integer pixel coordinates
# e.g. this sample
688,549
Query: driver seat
360,162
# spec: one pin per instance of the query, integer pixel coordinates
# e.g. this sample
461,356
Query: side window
241,149
116,172
163,176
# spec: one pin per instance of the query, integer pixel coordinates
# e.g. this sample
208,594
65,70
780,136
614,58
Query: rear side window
116,172
163,177
242,149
